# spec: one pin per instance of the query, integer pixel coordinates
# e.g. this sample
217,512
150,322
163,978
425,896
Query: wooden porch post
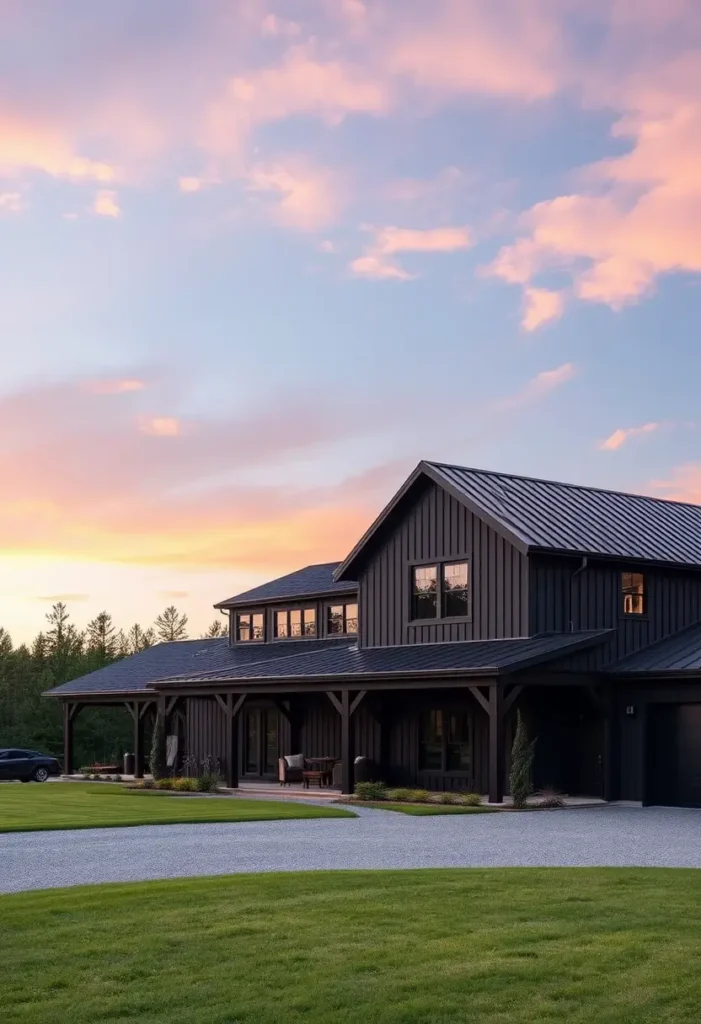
347,745
497,752
231,706
138,742
68,715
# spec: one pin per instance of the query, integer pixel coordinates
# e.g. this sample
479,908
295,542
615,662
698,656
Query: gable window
445,741
294,622
633,590
440,591
249,626
342,619
424,596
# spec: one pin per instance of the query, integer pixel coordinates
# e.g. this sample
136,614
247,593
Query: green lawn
58,805
419,947
423,809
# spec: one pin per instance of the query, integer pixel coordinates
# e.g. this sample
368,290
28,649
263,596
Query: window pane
351,618
296,622
281,624
309,622
258,626
431,741
455,602
455,576
243,627
335,624
458,749
633,588
425,577
424,603
424,606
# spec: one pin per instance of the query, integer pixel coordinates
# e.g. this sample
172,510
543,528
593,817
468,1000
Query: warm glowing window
424,592
249,626
440,591
342,619
294,622
633,590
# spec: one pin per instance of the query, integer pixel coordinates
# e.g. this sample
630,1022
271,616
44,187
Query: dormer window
249,626
289,623
342,619
633,590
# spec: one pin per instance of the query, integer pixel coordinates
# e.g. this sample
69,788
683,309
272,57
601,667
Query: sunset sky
258,259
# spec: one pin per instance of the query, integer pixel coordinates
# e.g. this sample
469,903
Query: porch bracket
509,700
479,697
335,701
357,701
220,701
146,704
170,704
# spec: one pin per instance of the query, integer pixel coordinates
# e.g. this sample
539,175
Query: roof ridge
560,483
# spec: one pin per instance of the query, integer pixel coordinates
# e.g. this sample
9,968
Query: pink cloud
620,437
11,202
539,387
540,306
389,241
115,386
379,268
304,196
106,205
160,426
683,484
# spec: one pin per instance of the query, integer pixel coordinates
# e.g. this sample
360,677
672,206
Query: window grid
293,623
448,600
633,592
249,626
342,619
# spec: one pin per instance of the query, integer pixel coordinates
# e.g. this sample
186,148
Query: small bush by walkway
66,805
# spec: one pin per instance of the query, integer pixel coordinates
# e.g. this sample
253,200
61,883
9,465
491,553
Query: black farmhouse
471,595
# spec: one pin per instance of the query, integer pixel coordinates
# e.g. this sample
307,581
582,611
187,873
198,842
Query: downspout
582,567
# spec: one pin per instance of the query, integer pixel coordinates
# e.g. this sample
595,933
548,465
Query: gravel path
605,836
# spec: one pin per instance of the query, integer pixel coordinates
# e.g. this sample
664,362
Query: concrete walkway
617,836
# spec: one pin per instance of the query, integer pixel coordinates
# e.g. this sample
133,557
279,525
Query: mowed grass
516,946
424,809
61,805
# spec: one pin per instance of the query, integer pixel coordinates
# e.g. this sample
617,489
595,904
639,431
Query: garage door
674,754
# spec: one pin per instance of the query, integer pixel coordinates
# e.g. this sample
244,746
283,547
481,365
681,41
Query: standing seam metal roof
310,581
680,652
563,517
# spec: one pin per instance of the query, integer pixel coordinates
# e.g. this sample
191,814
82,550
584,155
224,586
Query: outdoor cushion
295,760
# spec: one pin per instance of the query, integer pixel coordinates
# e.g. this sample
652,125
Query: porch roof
676,655
478,657
134,674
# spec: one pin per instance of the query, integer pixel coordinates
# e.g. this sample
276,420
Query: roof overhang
318,595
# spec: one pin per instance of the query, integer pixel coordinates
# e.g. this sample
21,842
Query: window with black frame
440,591
445,741
342,619
633,591
291,623
456,593
249,626
424,592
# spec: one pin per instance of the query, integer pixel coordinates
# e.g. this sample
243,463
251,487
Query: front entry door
260,742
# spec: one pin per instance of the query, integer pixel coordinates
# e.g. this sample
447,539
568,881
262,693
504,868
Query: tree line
62,652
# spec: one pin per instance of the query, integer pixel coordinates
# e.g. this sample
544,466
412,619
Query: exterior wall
436,526
592,600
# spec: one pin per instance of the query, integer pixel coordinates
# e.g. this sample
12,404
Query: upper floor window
440,591
342,618
249,626
633,590
294,622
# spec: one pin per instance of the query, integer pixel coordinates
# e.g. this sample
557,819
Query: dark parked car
27,765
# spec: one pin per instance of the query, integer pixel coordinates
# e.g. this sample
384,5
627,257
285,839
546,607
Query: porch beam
335,701
232,708
497,750
480,698
509,700
68,716
138,741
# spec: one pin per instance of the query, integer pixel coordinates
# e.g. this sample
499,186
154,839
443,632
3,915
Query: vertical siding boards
673,600
436,526
205,731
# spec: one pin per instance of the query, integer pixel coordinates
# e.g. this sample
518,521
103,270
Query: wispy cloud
11,202
620,437
160,426
540,306
683,484
114,386
66,598
538,387
377,261
303,196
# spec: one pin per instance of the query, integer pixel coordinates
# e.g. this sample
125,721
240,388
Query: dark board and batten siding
438,527
592,600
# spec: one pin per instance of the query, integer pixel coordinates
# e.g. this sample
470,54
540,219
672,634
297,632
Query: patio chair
290,769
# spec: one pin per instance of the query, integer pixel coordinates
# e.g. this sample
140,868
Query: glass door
260,742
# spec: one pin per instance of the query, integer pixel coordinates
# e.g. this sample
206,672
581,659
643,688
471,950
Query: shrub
147,784
399,795
446,798
207,783
164,784
550,798
470,799
419,796
521,764
185,785
158,763
116,778
85,770
371,790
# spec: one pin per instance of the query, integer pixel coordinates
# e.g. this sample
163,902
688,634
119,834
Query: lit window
342,619
294,623
424,596
455,590
633,589
249,626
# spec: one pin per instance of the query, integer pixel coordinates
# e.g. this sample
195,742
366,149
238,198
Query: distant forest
61,653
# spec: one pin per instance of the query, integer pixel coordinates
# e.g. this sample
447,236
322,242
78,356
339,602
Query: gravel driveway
602,836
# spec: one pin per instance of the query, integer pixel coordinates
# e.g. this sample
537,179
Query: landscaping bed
523,946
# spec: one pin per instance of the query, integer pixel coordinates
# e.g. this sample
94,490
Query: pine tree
158,762
121,645
101,637
521,763
170,625
215,628
139,639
